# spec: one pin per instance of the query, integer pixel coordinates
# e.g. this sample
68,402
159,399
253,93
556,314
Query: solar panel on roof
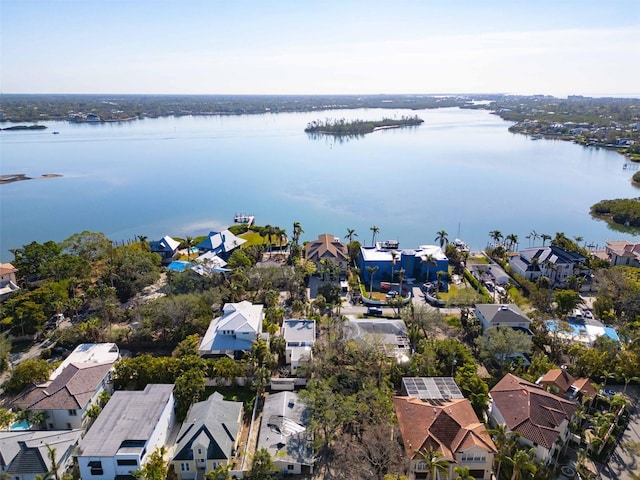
434,388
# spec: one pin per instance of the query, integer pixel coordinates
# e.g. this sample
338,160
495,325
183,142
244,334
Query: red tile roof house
540,417
561,382
448,426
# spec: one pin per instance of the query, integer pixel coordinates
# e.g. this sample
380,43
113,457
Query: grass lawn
252,238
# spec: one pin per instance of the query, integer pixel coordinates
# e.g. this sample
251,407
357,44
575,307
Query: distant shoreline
18,177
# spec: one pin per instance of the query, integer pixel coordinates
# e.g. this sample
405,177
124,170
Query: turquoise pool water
178,266
21,425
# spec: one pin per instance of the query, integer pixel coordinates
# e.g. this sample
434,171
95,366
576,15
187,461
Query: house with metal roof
388,335
552,262
538,416
208,437
72,387
443,421
221,243
128,430
166,247
283,432
299,335
234,332
24,454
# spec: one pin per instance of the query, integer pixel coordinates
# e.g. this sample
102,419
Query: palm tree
496,236
394,259
544,238
435,464
512,238
281,236
463,473
522,464
505,443
188,241
534,236
375,231
55,466
442,238
351,232
428,260
372,271
297,231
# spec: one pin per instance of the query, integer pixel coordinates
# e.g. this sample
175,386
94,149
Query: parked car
392,294
374,311
608,393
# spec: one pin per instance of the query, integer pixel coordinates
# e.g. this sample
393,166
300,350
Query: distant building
208,437
8,283
436,416
623,253
234,332
552,262
327,248
284,433
221,243
166,247
129,429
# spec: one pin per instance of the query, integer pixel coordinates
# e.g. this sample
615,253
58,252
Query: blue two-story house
421,264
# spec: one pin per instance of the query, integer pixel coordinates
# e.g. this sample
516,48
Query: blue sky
559,47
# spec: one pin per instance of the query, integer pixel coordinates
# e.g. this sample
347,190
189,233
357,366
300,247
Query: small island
19,177
621,211
359,127
25,127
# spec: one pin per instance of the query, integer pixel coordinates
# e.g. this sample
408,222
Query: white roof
170,242
89,355
239,317
382,255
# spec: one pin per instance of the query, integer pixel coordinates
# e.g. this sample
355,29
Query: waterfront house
284,433
552,262
8,283
539,417
221,243
424,263
166,247
299,335
128,430
73,386
625,253
208,437
505,315
434,415
24,453
234,332
327,248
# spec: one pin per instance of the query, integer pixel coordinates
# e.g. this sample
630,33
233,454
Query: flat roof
126,422
89,354
299,330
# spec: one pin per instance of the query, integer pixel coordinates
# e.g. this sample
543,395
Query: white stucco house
234,332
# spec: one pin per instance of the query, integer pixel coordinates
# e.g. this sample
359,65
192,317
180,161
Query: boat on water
55,133
537,136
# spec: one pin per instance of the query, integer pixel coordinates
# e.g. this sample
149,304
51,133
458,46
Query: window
184,467
72,413
199,451
96,467
421,465
290,467
128,462
474,457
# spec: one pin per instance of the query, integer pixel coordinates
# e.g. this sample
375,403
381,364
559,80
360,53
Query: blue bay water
461,171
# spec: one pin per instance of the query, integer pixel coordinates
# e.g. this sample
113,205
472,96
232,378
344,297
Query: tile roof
72,389
7,268
450,426
326,246
529,409
558,377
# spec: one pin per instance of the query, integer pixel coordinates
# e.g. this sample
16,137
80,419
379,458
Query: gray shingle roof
214,421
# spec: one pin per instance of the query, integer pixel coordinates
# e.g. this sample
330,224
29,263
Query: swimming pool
21,425
178,266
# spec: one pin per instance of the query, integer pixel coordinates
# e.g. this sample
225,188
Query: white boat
460,245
